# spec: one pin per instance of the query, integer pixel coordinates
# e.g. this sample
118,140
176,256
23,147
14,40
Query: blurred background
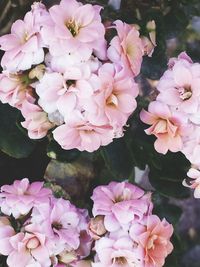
74,174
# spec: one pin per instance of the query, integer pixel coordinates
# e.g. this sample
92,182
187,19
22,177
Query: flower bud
67,257
4,221
37,72
33,243
151,25
96,226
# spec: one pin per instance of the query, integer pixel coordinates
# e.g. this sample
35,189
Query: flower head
120,203
20,197
169,127
154,237
179,86
126,47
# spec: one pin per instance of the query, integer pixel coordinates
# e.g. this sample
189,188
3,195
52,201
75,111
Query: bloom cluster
64,77
125,230
174,115
38,230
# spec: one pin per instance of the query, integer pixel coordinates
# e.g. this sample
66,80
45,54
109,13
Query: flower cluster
174,115
38,230
63,75
125,230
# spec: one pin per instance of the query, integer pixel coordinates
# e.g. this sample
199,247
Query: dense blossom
120,203
45,232
178,86
125,230
19,198
174,115
61,72
23,46
168,126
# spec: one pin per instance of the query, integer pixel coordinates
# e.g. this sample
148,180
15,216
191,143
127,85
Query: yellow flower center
185,92
119,261
73,27
150,244
112,100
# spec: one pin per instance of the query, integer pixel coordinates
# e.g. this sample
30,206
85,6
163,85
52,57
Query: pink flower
84,248
50,88
23,47
120,203
74,66
64,96
126,47
14,91
179,86
36,121
41,15
20,197
66,226
59,221
6,232
154,237
73,30
114,101
118,252
29,249
169,127
193,181
191,146
183,56
78,133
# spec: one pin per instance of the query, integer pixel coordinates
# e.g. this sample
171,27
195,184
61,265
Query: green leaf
118,159
55,151
175,22
174,259
170,212
12,141
166,186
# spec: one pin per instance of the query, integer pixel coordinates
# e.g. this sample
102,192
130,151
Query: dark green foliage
12,141
55,151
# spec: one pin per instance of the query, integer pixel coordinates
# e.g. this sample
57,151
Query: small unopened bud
151,25
96,226
37,72
67,257
33,243
4,221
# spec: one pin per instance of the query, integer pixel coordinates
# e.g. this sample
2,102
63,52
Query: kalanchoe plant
75,77
39,230
67,79
174,115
